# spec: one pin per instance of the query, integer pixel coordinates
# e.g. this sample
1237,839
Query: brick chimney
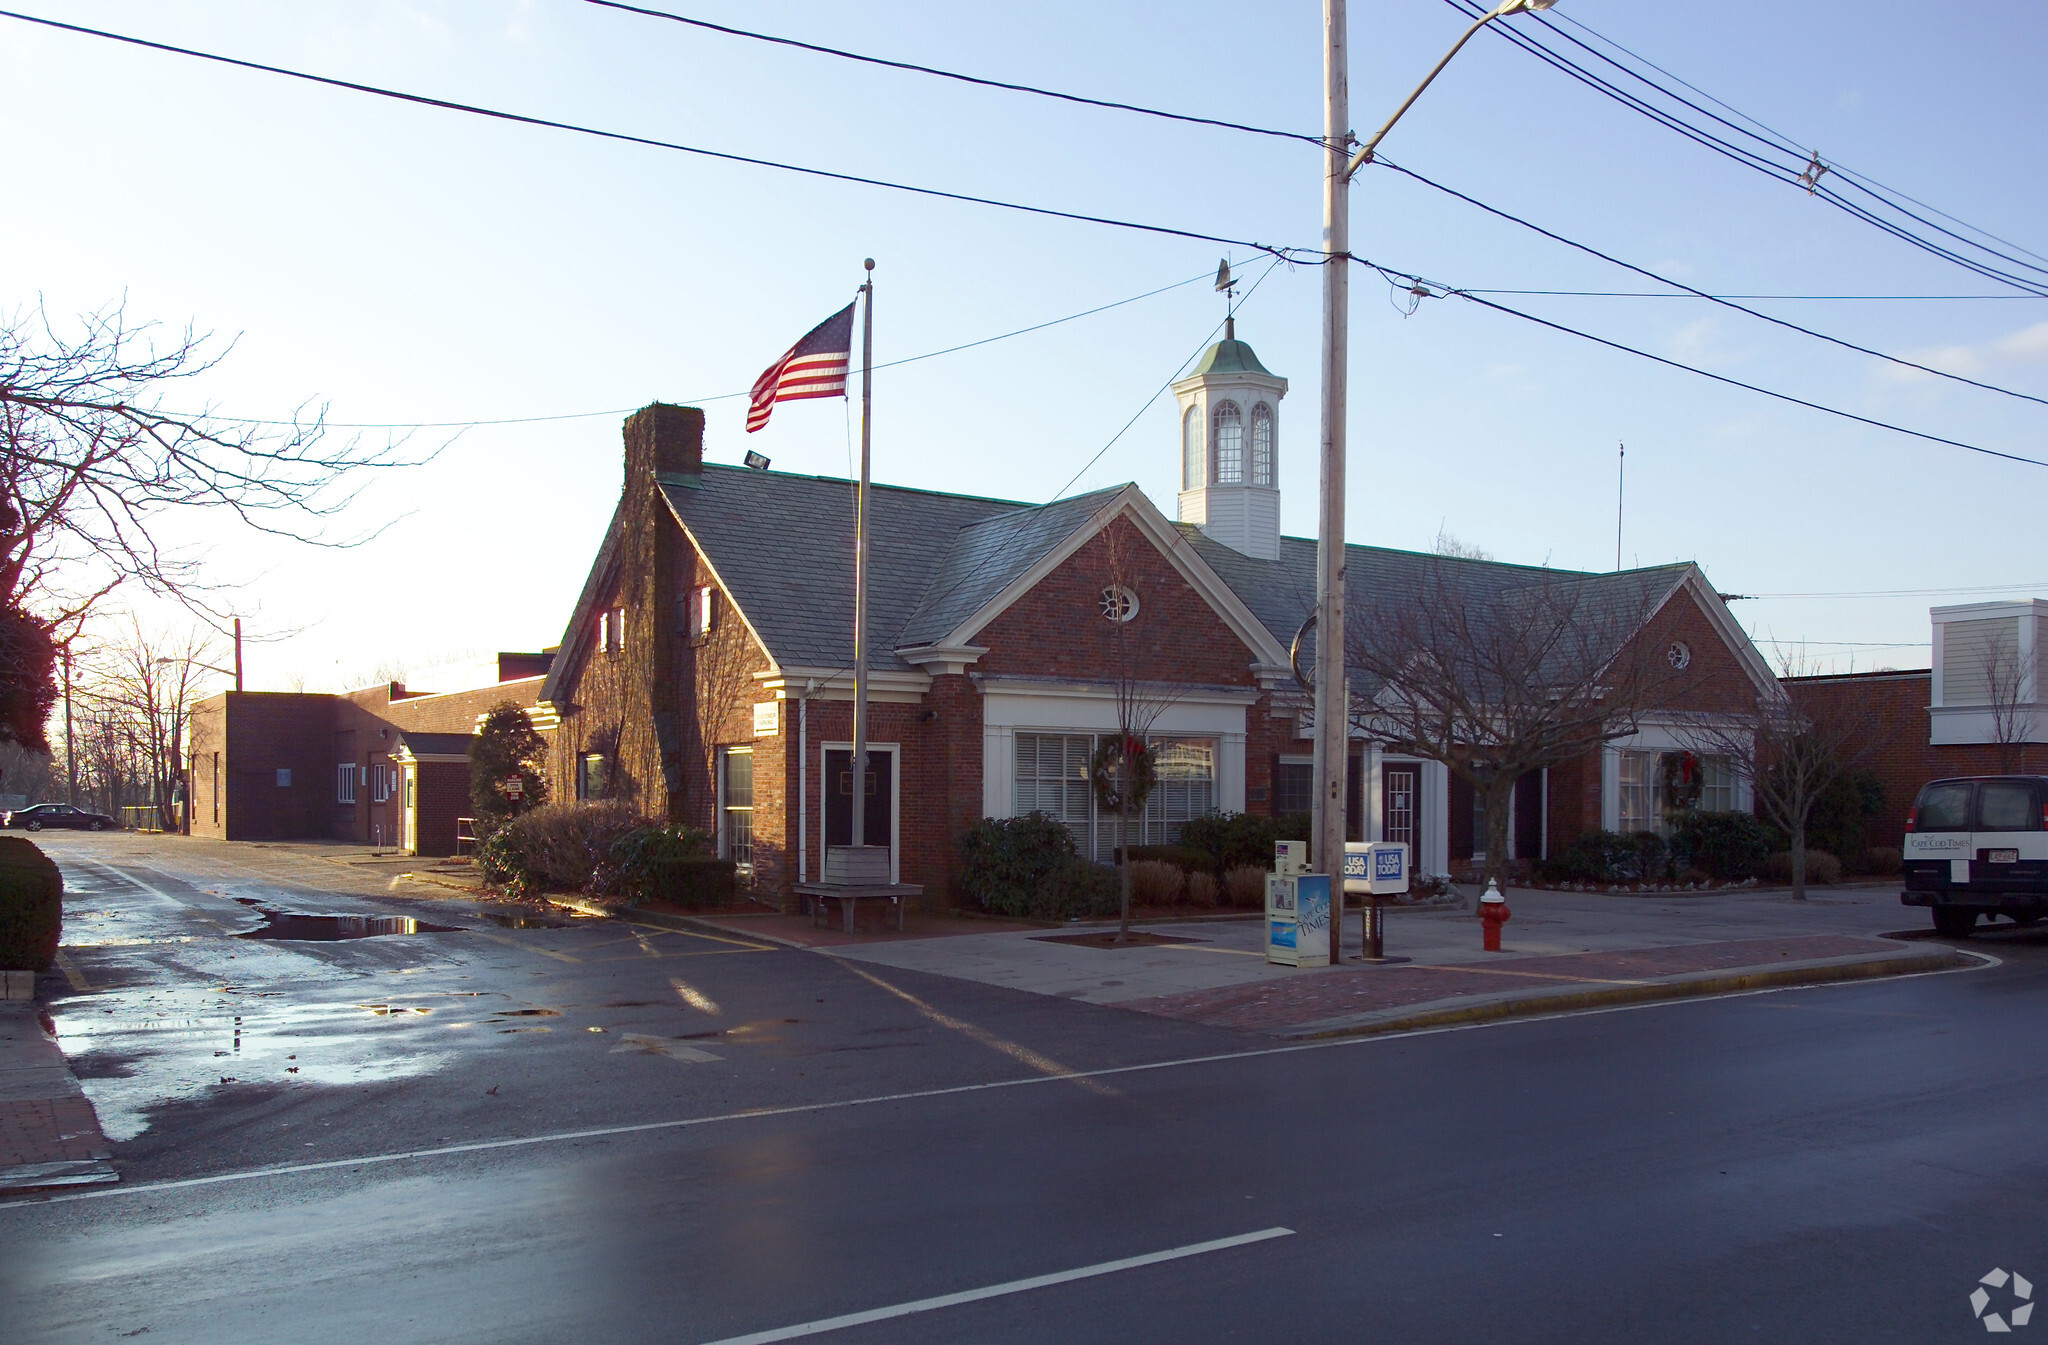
664,438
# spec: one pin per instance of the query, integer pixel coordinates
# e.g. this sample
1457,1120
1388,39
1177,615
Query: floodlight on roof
757,461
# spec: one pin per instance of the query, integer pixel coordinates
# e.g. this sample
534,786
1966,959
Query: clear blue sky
409,265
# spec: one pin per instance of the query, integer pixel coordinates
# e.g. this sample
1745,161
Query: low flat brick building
383,766
1976,711
705,674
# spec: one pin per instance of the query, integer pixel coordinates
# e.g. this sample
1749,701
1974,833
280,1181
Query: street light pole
1332,743
1332,707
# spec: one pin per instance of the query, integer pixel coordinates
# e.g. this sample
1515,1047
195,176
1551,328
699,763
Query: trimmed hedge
1232,840
31,906
1728,846
692,880
1027,866
1611,857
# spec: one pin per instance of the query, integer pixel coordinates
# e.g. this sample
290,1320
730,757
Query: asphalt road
1841,1163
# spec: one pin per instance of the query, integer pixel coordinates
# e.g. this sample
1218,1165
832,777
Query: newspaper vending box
1298,919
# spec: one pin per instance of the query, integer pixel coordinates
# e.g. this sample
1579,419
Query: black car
57,815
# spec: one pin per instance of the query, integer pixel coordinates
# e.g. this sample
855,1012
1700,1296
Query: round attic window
1119,604
1679,655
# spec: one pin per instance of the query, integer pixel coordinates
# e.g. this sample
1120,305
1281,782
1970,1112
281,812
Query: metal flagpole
860,565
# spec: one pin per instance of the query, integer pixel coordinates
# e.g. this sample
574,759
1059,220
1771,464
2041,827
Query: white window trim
722,836
1009,708
345,782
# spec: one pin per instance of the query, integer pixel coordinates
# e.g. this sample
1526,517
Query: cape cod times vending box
1298,919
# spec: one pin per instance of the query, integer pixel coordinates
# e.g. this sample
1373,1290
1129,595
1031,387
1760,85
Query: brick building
383,766
1976,711
705,674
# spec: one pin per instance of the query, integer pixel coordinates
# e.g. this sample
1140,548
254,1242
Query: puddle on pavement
529,1013
328,928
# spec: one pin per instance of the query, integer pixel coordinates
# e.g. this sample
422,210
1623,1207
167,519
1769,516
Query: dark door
1401,804
1529,816
839,798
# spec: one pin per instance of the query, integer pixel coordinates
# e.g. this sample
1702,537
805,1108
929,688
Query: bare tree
2008,675
722,663
142,686
1130,764
1791,746
1499,674
93,461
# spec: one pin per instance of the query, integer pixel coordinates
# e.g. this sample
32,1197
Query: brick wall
626,702
1896,705
442,796
254,734
1057,629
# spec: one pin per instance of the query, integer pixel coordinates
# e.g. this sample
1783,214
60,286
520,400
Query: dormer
1230,448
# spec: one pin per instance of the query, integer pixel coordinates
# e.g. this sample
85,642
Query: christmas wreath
1683,781
1122,766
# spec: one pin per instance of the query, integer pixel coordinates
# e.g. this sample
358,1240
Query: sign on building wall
767,718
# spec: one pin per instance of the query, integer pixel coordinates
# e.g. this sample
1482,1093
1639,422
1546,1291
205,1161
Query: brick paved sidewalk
49,1135
1384,998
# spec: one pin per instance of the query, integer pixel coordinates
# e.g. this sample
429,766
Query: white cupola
1230,448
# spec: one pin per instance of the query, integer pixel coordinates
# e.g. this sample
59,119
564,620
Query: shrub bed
1232,840
1154,883
1727,846
1185,858
566,846
1822,868
31,906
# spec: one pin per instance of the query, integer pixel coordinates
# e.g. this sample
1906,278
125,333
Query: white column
998,771
1610,788
1435,804
1230,765
1375,805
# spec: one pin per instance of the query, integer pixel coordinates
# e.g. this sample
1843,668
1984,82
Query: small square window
284,777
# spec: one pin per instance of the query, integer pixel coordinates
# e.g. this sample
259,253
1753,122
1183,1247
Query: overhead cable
1591,251
719,397
1752,158
1412,283
954,75
1293,254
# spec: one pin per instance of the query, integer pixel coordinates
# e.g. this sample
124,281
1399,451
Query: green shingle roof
1230,357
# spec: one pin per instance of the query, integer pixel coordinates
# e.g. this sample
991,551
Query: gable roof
943,565
582,629
783,546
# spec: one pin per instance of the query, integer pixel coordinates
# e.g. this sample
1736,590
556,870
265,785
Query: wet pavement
211,1033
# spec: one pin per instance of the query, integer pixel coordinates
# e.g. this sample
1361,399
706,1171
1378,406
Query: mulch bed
1107,939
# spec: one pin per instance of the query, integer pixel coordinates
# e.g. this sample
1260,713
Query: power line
1910,592
1410,282
1665,294
1315,140
1591,251
1291,253
1832,167
1779,171
720,397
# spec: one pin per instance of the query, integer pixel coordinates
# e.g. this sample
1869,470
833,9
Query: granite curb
1453,1011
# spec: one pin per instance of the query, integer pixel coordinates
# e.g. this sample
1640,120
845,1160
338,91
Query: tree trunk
1123,854
1799,860
1499,796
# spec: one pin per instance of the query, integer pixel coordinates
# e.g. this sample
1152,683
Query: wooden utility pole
70,741
1333,719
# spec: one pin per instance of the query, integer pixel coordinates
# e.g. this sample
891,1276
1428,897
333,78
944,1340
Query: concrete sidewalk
49,1135
1561,951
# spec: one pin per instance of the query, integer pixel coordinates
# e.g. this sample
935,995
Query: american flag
814,367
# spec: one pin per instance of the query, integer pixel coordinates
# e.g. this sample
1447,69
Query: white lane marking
999,1290
803,1109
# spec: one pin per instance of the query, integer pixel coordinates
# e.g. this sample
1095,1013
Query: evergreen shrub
1729,846
31,906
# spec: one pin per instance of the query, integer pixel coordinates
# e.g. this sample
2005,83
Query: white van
1978,846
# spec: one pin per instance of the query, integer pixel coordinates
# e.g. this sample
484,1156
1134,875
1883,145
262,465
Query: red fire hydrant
1493,913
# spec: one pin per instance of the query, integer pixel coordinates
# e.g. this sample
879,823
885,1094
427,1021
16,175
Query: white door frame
895,752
